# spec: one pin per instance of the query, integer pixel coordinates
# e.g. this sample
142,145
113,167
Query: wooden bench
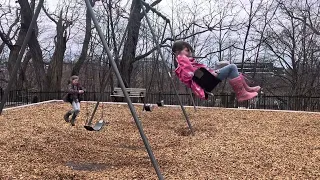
133,93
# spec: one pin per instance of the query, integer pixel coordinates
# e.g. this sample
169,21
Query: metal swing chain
102,109
87,109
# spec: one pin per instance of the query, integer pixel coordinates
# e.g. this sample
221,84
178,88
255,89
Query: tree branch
213,52
3,37
290,14
4,80
137,58
150,7
48,15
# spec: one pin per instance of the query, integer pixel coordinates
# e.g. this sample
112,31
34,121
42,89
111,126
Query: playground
36,143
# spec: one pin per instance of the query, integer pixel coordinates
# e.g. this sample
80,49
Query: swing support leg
165,65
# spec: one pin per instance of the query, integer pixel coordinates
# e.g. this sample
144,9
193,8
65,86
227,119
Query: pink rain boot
238,88
247,87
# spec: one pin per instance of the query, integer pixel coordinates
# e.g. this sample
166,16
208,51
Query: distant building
260,68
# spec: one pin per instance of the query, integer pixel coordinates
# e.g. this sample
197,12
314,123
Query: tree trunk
35,49
84,52
2,47
54,73
13,57
22,79
14,49
130,45
38,64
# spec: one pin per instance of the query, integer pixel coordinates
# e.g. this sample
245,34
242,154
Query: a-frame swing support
114,66
131,107
145,7
156,42
174,38
13,76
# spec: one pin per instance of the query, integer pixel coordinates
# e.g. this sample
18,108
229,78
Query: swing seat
97,127
147,107
160,103
205,79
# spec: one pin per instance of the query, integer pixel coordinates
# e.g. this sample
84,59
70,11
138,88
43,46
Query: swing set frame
145,5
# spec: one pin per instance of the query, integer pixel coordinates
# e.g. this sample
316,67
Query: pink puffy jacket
185,71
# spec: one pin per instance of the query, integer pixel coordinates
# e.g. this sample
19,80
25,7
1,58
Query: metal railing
297,103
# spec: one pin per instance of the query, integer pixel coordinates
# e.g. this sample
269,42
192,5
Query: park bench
133,93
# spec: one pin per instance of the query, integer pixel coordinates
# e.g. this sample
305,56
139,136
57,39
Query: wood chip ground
36,143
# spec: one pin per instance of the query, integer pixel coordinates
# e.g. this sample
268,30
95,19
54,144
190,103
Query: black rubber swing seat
160,103
205,79
147,107
97,127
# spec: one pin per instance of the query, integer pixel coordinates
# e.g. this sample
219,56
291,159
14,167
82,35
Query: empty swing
98,126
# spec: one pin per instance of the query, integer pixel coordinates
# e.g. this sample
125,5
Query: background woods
273,41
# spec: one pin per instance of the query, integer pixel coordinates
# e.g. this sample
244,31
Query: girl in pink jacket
186,66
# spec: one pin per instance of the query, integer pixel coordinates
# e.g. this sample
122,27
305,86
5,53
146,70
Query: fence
297,103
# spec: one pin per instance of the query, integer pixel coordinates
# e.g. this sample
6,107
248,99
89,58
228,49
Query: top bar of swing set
155,11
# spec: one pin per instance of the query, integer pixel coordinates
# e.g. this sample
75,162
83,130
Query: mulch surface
36,143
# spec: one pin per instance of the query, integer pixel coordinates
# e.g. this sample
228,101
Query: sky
165,7
75,44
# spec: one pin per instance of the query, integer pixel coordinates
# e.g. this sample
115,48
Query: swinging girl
187,70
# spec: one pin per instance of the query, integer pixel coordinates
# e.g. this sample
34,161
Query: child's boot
73,119
66,116
238,88
247,87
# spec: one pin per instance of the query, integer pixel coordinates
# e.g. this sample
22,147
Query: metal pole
131,107
17,64
165,65
189,90
192,99
154,10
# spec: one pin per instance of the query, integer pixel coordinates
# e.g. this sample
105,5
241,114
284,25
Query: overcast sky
75,44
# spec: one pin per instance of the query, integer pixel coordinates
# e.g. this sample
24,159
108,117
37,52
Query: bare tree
14,48
34,46
130,45
8,38
270,9
251,16
296,49
307,12
8,35
85,46
54,72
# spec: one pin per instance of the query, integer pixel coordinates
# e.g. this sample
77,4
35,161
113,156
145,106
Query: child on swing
186,66
73,97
